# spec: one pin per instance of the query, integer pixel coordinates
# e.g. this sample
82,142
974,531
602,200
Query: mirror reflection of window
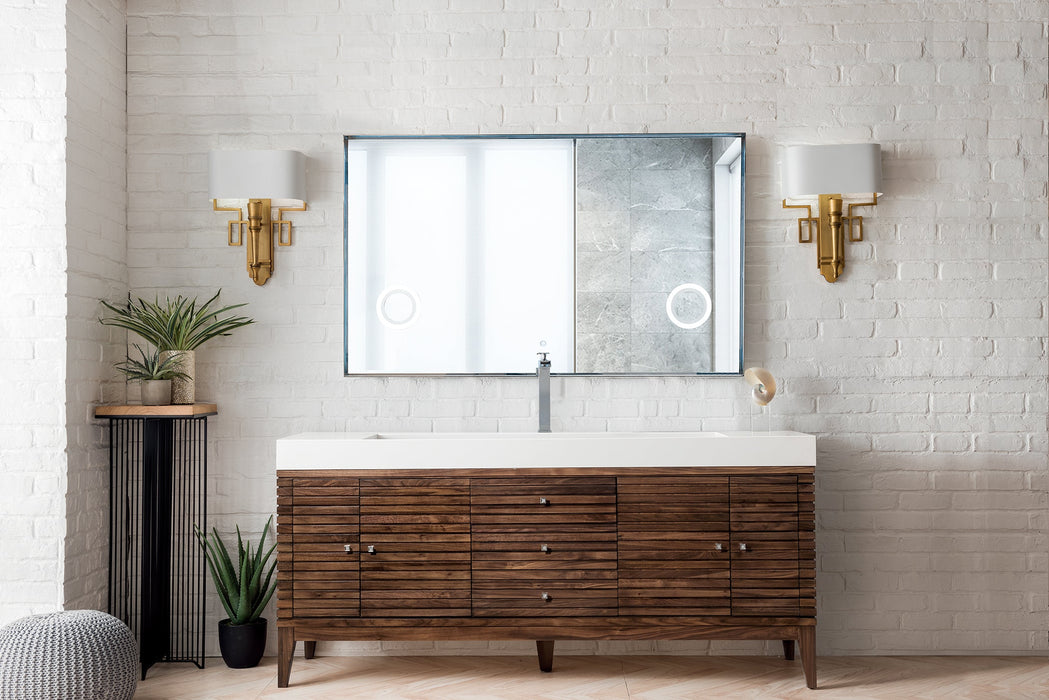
479,234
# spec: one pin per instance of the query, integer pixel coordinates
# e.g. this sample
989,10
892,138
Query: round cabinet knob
371,549
545,549
544,502
743,547
348,548
718,547
546,597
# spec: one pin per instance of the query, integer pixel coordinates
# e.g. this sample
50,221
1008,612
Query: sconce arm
281,225
809,220
857,218
240,222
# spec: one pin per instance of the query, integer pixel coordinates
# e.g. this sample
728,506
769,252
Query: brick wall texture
922,371
96,241
33,315
62,134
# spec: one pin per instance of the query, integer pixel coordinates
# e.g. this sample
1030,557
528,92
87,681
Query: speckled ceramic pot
183,390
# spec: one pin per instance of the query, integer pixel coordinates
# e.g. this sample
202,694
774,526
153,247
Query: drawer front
670,530
318,526
415,547
555,597
543,546
766,576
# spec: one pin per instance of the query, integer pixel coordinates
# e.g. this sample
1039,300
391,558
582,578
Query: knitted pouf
71,655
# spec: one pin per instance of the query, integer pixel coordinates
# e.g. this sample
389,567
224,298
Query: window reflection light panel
426,273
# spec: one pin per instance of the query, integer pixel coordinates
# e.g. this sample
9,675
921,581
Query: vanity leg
285,652
309,649
807,642
545,650
788,649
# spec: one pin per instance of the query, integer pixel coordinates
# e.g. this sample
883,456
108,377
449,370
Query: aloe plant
243,588
150,366
174,324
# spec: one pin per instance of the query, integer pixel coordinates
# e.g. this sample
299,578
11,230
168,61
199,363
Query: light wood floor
607,678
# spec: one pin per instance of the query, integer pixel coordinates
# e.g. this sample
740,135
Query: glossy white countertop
480,450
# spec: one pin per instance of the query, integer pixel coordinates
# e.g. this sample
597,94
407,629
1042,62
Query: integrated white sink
478,450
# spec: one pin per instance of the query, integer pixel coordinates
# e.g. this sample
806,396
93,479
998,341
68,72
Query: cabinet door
765,554
415,542
673,546
317,556
544,546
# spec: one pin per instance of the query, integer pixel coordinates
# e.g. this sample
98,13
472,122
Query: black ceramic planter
242,646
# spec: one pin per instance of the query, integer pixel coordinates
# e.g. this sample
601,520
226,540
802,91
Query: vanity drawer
522,501
526,597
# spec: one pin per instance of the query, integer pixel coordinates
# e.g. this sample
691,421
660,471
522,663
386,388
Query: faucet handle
542,356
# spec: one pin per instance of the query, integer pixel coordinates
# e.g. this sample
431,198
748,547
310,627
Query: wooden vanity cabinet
546,554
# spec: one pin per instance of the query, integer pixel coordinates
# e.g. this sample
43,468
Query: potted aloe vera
155,374
176,327
244,587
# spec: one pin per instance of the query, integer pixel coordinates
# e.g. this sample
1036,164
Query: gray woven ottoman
70,655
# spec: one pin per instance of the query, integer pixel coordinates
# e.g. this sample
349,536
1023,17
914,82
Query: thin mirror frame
409,137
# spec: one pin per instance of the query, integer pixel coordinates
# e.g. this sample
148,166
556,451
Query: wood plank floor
607,678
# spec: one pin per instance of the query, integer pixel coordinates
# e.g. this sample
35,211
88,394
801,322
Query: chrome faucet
543,373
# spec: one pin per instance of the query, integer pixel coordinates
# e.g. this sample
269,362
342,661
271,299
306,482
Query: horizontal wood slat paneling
513,519
418,530
764,517
455,553
668,529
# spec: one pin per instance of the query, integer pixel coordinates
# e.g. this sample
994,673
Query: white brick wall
62,143
33,315
96,239
922,371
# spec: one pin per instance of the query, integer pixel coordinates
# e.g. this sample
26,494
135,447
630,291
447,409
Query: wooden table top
171,411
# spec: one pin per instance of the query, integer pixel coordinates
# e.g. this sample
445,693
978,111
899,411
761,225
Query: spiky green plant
244,588
150,366
174,324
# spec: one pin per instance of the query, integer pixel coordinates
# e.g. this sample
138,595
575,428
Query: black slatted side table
158,468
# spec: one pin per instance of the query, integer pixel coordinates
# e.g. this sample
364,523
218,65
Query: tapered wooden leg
309,649
807,642
545,650
285,652
788,649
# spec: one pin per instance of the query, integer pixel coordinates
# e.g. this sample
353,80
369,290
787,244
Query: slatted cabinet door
544,546
673,545
415,540
319,569
765,545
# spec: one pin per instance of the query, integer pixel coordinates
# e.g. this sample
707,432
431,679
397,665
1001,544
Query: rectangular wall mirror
616,254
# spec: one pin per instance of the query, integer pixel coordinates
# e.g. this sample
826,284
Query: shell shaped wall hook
763,382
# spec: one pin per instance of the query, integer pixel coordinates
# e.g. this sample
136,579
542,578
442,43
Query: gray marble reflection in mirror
618,254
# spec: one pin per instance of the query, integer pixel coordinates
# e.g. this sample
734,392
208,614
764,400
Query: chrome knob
544,502
371,549
718,547
544,548
545,596
743,547
348,548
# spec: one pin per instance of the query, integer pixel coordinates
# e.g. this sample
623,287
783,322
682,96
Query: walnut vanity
574,536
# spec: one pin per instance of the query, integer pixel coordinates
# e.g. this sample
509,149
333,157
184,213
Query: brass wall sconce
280,176
817,171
